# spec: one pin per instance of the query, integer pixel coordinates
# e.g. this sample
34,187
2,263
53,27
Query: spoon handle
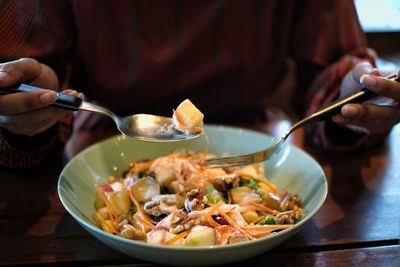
63,101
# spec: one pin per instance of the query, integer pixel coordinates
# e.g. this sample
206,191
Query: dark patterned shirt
227,57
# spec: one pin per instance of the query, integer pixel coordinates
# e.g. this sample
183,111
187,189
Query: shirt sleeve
42,30
25,152
327,43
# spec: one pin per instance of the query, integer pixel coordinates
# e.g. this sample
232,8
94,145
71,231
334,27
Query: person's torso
147,56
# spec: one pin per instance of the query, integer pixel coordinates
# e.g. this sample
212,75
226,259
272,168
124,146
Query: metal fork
322,114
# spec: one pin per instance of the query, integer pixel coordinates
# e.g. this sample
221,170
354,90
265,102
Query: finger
377,119
49,122
23,69
74,93
30,119
33,122
382,86
27,70
24,102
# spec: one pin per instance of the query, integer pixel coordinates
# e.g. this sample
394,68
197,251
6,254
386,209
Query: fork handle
63,101
358,97
334,107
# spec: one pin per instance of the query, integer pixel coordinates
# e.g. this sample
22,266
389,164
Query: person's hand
28,113
378,115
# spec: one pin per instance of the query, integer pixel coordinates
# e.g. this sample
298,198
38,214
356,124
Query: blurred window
379,15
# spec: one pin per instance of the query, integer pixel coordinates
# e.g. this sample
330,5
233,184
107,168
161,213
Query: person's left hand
378,115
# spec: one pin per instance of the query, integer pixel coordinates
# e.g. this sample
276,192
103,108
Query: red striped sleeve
41,30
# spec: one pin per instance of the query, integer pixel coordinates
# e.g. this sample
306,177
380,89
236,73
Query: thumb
351,81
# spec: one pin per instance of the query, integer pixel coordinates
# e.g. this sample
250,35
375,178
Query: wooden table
358,225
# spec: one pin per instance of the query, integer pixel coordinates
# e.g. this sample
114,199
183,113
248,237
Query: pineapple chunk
164,170
187,118
201,236
237,239
103,212
248,171
147,189
250,216
121,201
243,193
159,236
99,201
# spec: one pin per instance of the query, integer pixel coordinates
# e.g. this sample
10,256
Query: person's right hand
28,113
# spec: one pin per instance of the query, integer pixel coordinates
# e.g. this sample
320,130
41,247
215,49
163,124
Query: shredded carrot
176,238
261,234
271,227
230,221
257,229
104,224
140,209
243,209
108,224
213,222
234,224
110,207
208,216
145,222
138,167
270,185
256,220
260,207
213,209
248,171
98,218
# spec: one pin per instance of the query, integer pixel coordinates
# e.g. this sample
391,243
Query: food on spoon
187,118
177,200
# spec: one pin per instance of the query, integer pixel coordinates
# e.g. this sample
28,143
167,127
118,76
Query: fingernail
349,110
368,80
69,92
48,98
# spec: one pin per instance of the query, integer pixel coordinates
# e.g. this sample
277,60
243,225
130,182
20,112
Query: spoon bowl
151,128
140,126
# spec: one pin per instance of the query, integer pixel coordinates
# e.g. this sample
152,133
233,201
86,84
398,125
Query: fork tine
236,160
231,159
227,165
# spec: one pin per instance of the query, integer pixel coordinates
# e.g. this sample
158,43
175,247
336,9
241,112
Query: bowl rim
254,242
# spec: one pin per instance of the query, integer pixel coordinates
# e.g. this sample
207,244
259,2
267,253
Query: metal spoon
140,126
